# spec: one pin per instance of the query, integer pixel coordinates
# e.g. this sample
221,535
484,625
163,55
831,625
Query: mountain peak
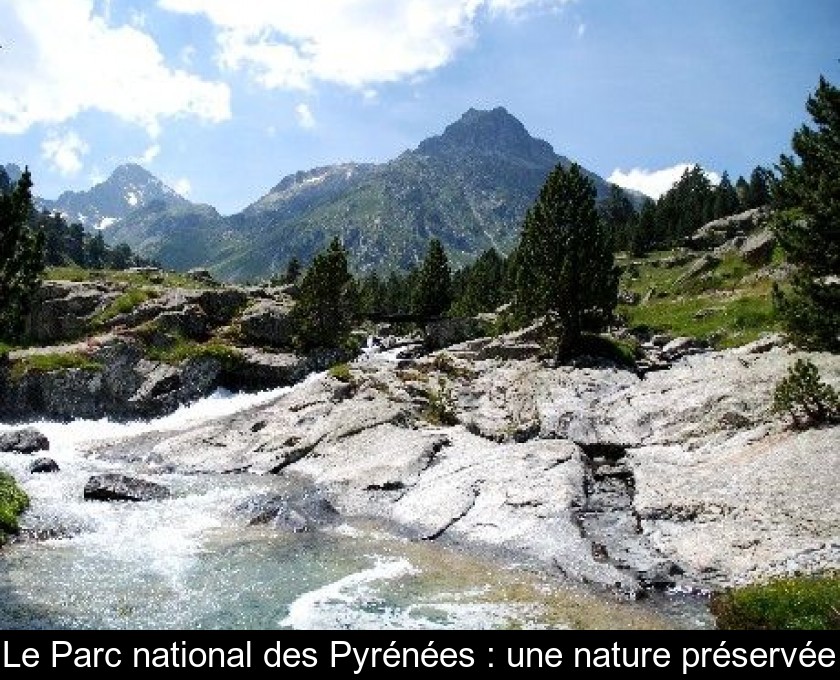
489,132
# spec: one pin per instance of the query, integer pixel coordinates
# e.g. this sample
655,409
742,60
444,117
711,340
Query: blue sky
221,99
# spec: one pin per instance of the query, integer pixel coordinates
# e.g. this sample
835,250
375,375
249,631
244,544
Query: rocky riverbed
679,478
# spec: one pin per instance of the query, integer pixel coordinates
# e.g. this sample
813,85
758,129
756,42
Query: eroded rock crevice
608,518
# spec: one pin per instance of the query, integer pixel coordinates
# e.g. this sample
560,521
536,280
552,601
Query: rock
43,465
258,370
190,322
701,265
628,297
268,323
27,440
116,487
295,513
717,232
758,248
63,310
680,347
202,276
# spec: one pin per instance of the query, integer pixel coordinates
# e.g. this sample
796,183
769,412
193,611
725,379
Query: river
191,562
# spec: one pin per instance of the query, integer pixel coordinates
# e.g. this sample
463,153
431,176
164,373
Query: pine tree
620,216
566,269
327,303
21,257
725,198
433,293
760,181
807,224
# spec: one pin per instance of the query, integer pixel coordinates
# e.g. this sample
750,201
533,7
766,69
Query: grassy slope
725,306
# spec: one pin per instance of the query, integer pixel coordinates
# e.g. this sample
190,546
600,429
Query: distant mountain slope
128,188
470,187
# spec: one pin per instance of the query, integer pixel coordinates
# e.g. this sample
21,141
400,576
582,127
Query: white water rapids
189,562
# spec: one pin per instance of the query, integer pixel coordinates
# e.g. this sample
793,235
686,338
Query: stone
268,323
27,440
117,487
757,250
40,465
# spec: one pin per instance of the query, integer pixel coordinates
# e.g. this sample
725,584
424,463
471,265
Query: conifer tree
807,224
565,265
725,198
21,256
433,293
327,302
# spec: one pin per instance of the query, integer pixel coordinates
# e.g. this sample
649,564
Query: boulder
43,465
718,232
268,323
701,265
680,347
63,310
116,487
258,370
295,513
758,248
27,440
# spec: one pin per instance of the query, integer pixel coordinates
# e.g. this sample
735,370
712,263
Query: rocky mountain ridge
470,187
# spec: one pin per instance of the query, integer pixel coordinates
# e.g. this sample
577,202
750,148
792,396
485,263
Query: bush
441,408
13,501
341,372
797,603
807,399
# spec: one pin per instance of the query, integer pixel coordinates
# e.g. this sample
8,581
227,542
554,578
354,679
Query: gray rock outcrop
683,477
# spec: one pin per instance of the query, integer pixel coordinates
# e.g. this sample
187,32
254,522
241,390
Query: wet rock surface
117,487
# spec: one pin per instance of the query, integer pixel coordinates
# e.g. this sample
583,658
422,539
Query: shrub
441,407
796,603
13,501
341,372
807,399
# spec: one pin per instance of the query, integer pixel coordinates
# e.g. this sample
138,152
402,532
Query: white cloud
304,116
148,155
581,29
182,186
64,152
654,183
355,43
54,69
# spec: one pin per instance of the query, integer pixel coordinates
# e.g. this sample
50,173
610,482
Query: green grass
182,349
716,306
798,603
13,501
125,303
164,278
45,363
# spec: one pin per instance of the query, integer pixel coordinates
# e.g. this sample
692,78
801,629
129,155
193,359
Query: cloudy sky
222,98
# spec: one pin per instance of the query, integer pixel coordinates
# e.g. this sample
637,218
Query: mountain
470,187
130,187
